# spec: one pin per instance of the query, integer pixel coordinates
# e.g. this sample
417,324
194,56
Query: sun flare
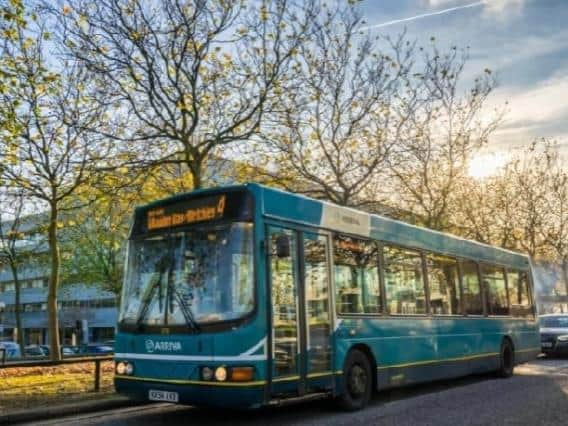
487,164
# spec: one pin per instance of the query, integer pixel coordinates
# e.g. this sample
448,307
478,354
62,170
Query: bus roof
300,209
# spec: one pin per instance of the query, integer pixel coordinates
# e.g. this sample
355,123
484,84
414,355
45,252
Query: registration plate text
158,395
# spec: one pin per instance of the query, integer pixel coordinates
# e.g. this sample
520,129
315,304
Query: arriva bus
246,296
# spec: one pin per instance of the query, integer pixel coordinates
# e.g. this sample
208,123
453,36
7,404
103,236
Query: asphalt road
536,395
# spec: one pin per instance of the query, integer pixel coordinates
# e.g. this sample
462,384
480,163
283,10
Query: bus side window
518,294
404,281
471,289
356,272
443,280
496,290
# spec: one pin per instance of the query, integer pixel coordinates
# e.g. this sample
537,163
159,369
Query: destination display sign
186,213
187,210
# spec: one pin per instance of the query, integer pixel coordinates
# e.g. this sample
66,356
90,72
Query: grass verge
32,387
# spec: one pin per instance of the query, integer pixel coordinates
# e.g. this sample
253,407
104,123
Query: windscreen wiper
150,295
185,308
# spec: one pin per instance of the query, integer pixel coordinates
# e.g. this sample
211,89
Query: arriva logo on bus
163,346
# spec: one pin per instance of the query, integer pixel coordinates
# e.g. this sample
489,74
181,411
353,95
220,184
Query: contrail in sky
425,15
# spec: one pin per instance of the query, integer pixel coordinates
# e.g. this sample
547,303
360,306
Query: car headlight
221,374
562,338
129,369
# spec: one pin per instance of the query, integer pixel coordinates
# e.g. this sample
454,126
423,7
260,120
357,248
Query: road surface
536,395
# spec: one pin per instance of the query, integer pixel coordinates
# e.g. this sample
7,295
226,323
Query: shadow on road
304,412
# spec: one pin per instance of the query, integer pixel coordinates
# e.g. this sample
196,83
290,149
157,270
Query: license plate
158,395
546,344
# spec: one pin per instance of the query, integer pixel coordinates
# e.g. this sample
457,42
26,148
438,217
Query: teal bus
246,296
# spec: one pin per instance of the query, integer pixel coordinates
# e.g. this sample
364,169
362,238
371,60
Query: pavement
536,395
106,402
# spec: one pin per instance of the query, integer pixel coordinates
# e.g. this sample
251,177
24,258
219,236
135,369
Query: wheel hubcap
357,380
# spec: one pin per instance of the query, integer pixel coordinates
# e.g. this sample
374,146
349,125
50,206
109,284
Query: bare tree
198,75
444,127
48,151
337,124
522,208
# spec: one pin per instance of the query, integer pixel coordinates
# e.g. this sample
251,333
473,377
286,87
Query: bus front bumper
231,395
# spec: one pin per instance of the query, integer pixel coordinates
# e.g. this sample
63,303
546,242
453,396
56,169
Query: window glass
357,283
518,294
284,276
496,290
201,275
471,290
443,281
318,318
404,281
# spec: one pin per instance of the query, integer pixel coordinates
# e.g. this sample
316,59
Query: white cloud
539,111
503,8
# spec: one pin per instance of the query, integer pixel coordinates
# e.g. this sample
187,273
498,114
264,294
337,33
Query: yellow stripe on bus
194,382
463,358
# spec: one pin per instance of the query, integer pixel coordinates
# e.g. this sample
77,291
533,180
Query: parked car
69,350
95,348
35,351
12,350
554,334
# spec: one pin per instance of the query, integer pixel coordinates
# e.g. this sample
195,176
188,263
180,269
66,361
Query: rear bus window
356,266
496,291
404,281
443,281
471,289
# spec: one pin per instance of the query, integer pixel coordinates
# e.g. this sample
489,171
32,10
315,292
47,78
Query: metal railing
78,359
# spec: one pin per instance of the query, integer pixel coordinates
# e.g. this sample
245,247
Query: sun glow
487,164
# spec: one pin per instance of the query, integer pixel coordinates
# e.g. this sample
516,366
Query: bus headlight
206,373
124,368
121,368
562,338
221,374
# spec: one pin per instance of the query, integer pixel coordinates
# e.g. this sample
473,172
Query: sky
524,42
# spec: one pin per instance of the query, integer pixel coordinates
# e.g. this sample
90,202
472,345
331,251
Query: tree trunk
195,166
565,274
53,321
18,307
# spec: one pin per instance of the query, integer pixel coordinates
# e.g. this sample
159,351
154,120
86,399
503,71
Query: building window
404,281
493,279
443,282
106,303
471,289
39,283
357,285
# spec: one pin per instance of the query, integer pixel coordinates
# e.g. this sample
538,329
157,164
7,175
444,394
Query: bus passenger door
301,318
286,360
317,303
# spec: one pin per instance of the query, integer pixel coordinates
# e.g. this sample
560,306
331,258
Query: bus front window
190,277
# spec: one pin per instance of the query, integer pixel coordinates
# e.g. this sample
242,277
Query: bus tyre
357,380
507,359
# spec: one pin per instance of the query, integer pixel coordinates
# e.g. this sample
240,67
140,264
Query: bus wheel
507,359
357,382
